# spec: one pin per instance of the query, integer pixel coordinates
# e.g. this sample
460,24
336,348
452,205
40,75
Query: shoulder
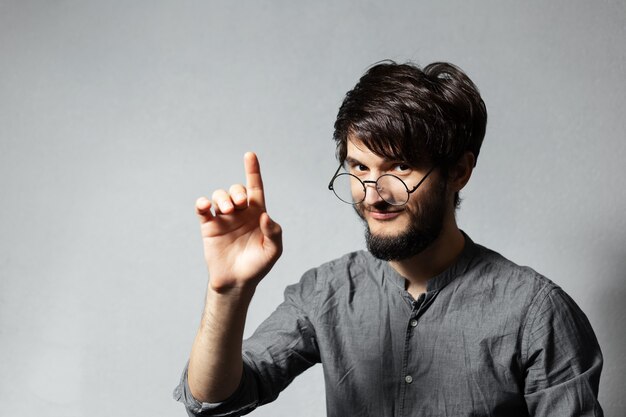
496,278
354,272
490,284
489,269
523,288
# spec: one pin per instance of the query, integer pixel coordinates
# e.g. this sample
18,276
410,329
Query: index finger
254,182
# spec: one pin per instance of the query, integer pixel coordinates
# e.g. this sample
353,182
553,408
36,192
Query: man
424,323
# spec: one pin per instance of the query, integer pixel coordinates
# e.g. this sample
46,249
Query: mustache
380,206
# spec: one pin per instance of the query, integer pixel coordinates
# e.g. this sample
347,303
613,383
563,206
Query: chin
387,234
392,228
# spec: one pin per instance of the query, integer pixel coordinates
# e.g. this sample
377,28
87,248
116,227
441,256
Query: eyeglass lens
350,189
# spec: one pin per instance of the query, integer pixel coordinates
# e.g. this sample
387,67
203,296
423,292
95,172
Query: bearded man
425,322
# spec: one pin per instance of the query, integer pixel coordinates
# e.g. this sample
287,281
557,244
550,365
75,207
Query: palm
233,247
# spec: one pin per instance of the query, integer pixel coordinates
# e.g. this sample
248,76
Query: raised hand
241,242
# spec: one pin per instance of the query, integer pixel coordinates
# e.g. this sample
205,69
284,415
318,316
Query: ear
461,172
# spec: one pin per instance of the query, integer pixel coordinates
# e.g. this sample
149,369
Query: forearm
215,364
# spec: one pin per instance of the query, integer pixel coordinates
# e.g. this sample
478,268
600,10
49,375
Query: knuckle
238,192
202,204
237,188
218,194
278,231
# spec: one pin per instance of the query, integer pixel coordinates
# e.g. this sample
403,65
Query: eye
358,168
402,168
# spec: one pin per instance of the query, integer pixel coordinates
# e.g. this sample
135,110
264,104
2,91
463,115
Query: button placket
407,367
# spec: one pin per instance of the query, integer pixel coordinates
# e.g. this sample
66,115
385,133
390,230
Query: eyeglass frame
409,192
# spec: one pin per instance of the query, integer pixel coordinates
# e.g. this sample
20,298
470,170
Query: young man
424,323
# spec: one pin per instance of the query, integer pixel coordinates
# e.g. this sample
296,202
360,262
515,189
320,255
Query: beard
425,225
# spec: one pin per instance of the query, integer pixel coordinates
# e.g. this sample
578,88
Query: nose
371,194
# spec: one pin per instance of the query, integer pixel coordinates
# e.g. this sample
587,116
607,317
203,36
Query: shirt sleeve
562,359
282,347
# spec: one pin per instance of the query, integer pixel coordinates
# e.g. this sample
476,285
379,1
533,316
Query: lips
384,215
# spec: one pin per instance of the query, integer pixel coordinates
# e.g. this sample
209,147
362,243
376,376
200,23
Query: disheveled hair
402,112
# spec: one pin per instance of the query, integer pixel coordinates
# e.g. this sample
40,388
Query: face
397,232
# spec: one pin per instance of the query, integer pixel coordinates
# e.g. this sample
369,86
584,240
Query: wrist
225,312
230,296
239,290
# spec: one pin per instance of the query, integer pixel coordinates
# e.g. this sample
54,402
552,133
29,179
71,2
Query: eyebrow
354,161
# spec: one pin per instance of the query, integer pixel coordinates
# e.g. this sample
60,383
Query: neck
433,260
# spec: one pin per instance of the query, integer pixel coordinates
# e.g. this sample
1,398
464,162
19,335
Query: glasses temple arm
423,179
330,184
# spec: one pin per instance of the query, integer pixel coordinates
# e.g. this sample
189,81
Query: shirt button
408,379
413,323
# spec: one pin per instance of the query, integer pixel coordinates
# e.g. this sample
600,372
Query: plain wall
115,116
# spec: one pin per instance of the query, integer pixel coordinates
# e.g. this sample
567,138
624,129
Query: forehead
357,150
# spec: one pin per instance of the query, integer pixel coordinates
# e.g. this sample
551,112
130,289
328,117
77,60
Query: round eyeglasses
351,189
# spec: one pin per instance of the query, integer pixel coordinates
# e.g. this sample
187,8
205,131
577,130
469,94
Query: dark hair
400,111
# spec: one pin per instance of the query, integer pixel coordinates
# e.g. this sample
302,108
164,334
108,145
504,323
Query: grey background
115,116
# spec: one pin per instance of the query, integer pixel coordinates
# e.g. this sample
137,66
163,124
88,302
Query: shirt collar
437,282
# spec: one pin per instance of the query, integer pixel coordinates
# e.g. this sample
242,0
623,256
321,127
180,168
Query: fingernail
239,197
226,206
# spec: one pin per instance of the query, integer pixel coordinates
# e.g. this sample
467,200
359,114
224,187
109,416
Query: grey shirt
488,338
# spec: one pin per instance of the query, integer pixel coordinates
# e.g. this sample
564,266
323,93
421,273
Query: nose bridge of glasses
371,184
371,197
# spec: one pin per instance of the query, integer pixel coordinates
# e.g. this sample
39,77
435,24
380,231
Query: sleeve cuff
239,403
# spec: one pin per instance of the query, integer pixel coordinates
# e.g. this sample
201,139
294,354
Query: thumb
273,234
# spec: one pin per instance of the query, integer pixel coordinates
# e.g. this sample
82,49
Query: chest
423,358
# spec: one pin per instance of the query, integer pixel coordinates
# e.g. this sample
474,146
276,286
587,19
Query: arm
241,244
562,359
281,348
